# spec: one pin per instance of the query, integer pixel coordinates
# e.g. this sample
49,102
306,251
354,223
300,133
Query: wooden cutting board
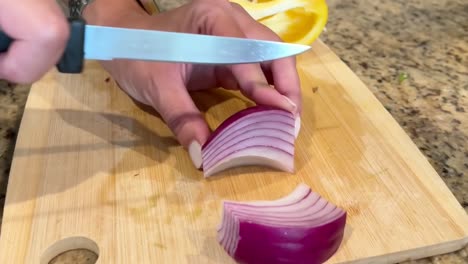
93,170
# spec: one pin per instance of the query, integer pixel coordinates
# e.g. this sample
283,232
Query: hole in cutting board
75,256
78,250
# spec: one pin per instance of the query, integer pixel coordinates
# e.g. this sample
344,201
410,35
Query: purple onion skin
261,244
238,115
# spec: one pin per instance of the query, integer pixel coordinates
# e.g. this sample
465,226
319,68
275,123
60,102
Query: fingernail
194,150
291,104
297,126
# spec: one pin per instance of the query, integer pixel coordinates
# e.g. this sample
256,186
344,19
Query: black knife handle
5,42
72,58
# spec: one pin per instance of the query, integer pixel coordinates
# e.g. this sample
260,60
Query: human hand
165,86
40,32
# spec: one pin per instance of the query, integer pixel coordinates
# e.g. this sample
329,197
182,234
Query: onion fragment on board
301,227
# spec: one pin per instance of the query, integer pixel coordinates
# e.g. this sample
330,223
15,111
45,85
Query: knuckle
264,31
238,7
55,31
274,36
248,89
267,32
207,14
181,122
253,26
210,8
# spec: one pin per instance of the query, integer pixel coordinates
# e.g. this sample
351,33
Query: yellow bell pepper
294,21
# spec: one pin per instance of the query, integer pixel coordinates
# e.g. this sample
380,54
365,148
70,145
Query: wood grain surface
92,170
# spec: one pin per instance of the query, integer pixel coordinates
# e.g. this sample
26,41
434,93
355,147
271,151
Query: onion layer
301,227
259,135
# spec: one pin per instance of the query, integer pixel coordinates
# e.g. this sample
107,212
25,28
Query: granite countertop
381,41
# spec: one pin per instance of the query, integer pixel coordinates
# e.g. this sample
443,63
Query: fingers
282,73
40,31
251,80
254,86
161,86
171,99
287,81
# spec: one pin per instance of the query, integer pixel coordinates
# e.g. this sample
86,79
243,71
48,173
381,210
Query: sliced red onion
259,128
254,141
301,227
259,135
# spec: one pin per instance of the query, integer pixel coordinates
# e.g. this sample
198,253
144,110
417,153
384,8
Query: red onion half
301,227
259,135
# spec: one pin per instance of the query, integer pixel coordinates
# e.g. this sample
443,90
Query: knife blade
91,42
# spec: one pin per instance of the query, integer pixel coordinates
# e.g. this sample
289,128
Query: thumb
180,113
40,32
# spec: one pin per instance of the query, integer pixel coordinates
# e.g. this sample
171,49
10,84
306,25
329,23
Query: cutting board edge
385,116
416,253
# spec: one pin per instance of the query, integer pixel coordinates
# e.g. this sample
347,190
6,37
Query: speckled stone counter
426,40
411,54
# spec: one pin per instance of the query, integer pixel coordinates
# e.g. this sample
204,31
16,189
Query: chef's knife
107,43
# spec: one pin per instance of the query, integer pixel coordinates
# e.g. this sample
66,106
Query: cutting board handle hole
80,247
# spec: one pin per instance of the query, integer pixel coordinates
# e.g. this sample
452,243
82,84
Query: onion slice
259,135
301,227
